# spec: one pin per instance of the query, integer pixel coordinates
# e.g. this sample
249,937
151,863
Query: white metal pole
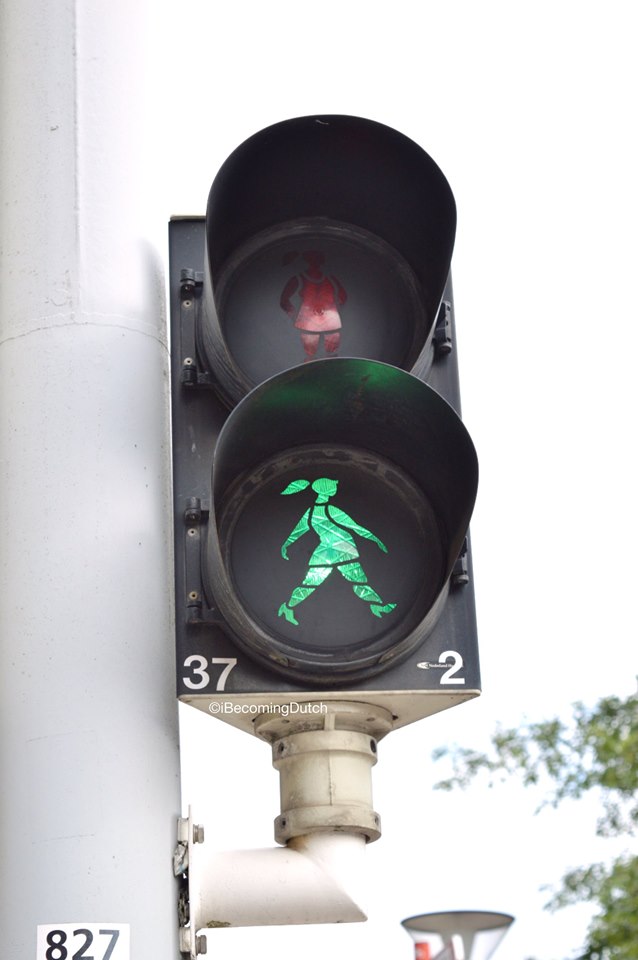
89,762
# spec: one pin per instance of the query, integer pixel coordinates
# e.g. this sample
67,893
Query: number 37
200,677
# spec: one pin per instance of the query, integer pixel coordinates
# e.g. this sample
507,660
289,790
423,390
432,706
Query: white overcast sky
530,111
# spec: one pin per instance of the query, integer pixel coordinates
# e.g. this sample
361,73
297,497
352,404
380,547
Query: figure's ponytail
295,487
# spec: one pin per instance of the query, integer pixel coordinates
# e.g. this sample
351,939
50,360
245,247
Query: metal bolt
198,833
201,944
193,511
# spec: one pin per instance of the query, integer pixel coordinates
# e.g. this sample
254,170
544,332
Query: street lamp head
457,934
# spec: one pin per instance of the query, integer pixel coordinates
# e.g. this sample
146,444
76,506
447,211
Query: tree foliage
596,749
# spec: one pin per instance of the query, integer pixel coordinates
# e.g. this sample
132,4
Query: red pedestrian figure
321,297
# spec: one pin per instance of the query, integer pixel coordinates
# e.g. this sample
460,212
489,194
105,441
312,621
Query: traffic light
323,479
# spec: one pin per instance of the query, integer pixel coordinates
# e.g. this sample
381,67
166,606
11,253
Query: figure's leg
313,579
310,343
331,341
355,574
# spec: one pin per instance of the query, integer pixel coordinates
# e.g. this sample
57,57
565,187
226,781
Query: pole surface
88,719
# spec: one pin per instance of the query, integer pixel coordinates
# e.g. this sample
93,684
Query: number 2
457,664
81,954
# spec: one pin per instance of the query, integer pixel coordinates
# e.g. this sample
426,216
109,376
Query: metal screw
201,944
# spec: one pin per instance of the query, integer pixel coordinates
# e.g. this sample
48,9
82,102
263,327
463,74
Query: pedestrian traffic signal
325,236
323,480
332,534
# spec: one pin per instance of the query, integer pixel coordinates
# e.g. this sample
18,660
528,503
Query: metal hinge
190,287
196,515
442,338
460,572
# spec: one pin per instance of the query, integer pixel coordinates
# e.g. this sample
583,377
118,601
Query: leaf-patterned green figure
336,549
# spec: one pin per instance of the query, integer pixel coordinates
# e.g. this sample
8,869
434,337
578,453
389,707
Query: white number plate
84,941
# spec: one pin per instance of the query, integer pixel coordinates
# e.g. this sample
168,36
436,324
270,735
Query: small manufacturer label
83,941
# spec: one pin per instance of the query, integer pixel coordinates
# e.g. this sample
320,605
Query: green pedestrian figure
336,549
